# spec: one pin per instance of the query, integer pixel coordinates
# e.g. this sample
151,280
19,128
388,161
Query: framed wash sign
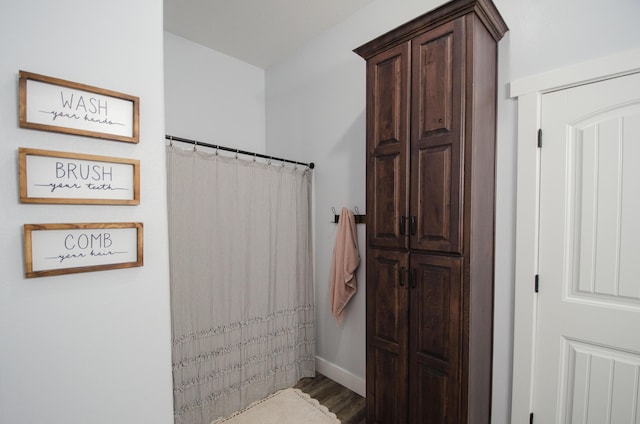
53,104
57,177
55,249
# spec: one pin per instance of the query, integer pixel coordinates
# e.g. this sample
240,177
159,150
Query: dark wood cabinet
431,122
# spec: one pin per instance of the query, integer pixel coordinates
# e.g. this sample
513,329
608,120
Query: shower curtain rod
311,165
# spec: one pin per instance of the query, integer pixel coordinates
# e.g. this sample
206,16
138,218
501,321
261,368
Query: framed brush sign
53,104
56,249
57,177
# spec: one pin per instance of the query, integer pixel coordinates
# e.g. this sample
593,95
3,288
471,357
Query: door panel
435,323
595,372
436,143
589,301
435,171
606,224
432,409
387,336
388,132
387,404
436,83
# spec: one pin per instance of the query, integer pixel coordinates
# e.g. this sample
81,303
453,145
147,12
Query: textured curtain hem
212,397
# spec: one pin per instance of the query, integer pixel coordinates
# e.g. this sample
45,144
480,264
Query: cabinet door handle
401,277
403,225
413,225
413,279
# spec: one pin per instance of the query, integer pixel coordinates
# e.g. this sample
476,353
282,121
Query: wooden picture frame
48,176
57,249
53,104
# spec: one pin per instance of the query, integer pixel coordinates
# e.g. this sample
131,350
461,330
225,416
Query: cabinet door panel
386,199
435,322
387,336
435,64
435,176
388,407
388,86
387,135
432,383
436,143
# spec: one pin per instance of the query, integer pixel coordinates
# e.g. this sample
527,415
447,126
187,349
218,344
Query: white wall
90,347
212,97
547,34
316,112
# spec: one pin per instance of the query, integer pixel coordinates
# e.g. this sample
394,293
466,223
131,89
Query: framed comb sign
55,249
53,104
72,178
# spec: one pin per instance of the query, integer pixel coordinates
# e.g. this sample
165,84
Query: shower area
242,301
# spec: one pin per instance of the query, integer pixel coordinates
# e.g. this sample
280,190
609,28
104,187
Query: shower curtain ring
195,145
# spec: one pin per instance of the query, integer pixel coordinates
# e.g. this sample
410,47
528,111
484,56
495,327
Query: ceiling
259,32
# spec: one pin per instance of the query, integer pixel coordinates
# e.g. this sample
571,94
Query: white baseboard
342,376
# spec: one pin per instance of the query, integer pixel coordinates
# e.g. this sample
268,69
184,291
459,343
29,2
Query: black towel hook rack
359,218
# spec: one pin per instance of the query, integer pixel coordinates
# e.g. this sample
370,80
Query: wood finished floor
348,406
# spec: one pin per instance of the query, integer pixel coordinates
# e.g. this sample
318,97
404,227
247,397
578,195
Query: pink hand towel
346,259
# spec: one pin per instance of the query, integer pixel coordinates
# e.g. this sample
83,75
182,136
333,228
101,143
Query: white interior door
587,347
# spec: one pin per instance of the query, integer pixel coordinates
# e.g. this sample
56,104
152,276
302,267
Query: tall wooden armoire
431,130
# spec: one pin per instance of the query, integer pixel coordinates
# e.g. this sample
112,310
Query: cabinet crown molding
484,9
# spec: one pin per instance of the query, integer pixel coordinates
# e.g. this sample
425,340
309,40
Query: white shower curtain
241,281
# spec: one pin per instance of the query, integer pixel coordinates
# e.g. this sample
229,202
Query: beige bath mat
289,406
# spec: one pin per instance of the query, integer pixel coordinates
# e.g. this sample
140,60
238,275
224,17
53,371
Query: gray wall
212,97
